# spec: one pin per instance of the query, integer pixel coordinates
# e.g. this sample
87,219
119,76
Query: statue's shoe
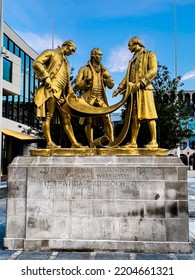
52,145
76,145
130,146
92,146
150,145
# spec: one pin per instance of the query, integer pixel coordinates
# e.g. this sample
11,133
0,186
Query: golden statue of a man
141,71
93,79
52,70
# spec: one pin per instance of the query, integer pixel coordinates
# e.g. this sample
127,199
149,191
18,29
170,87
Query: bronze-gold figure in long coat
141,71
52,70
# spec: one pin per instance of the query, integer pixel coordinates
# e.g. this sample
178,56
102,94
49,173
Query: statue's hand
73,95
138,86
142,85
116,92
48,83
88,82
61,101
106,74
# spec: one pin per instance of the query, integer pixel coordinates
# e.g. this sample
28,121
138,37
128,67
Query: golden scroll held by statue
78,107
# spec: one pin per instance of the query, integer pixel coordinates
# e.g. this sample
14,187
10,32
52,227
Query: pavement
96,255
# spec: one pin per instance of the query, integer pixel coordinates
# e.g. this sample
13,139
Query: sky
108,25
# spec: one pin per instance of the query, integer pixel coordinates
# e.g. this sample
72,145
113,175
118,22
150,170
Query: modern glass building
19,123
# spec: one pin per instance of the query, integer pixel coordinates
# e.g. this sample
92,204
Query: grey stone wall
128,203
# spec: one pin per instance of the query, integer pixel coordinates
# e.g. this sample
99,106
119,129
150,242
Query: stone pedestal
119,203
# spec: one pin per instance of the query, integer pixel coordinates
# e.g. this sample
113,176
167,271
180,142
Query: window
11,46
27,78
17,50
22,60
20,108
7,70
5,41
187,97
192,142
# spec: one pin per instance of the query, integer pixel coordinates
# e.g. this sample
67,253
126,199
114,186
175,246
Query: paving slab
112,256
28,255
155,257
4,255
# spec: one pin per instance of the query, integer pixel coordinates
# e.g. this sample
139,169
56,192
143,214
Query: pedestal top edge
97,160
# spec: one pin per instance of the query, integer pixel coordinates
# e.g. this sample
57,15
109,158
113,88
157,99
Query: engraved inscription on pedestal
136,204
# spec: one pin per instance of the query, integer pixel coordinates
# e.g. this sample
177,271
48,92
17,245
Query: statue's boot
47,134
69,131
134,133
130,145
152,128
151,145
89,134
109,132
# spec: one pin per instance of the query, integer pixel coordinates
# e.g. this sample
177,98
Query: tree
172,108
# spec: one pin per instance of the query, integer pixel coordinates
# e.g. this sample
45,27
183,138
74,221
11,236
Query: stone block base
96,245
118,203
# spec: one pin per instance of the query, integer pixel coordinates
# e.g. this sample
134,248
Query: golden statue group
55,92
